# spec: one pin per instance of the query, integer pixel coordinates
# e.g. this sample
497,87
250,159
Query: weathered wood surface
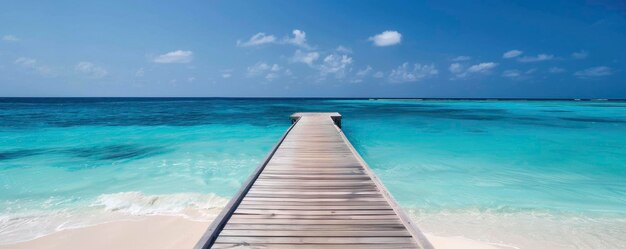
313,191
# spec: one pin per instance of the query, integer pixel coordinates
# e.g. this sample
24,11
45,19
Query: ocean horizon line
336,98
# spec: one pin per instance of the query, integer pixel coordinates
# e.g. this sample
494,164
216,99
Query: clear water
516,174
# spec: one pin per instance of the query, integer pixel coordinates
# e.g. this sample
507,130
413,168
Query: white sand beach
151,232
166,232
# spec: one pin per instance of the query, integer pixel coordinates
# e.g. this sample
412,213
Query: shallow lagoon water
495,171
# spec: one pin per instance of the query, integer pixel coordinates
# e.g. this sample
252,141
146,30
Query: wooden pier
313,191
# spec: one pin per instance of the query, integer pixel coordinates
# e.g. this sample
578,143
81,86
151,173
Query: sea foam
194,206
28,225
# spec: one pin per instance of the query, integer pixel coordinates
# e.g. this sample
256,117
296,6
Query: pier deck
313,191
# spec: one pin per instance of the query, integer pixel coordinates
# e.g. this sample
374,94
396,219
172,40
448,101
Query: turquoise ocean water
515,174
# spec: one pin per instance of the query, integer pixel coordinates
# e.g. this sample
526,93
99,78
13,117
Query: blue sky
535,49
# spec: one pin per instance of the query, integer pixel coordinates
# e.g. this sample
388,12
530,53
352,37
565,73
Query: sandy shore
152,232
166,232
440,242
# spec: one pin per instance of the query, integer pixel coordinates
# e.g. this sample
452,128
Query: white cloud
10,38
256,40
191,79
258,68
459,71
269,72
271,76
455,68
305,57
91,70
461,58
539,57
335,64
364,72
406,73
361,74
378,74
342,49
178,56
582,54
26,62
514,73
594,72
32,64
482,67
512,54
299,39
387,38
556,70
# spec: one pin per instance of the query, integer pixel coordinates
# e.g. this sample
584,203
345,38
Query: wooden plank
295,193
318,227
314,177
312,185
316,171
300,233
241,220
317,204
312,188
314,200
247,210
316,240
316,192
315,246
276,206
321,183
315,217
298,197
